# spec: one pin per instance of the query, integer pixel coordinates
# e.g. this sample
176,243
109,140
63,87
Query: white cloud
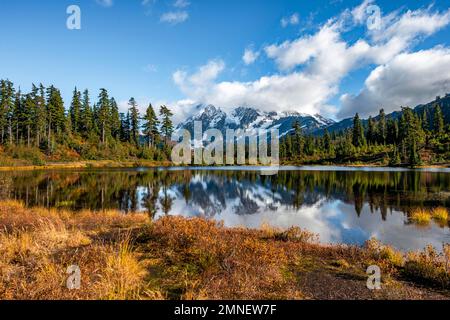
268,93
312,67
292,20
410,25
359,13
181,4
408,80
105,3
250,56
174,17
179,15
200,82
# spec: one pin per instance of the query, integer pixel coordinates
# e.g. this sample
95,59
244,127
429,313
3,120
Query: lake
341,205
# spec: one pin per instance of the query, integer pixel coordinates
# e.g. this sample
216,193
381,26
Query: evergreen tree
87,121
55,111
299,140
438,120
115,119
382,127
29,113
395,159
6,104
358,132
126,125
371,131
134,122
309,145
411,134
425,121
327,142
151,126
166,123
103,115
75,112
15,117
41,114
414,157
345,147
122,127
393,131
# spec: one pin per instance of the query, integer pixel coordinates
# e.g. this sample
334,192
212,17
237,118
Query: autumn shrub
429,267
216,262
31,154
387,255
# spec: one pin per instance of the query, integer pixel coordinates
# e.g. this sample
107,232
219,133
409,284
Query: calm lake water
342,205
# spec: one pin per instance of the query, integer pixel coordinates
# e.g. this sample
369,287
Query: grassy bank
30,158
86,165
131,257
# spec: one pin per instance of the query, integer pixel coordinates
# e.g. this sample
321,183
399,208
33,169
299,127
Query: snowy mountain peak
251,118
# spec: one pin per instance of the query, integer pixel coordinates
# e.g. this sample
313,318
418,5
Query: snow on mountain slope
250,119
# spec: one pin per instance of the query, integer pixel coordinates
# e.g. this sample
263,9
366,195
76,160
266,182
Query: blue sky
309,56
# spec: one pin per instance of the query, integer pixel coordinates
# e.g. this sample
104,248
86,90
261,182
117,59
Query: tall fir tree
358,132
151,126
29,115
134,122
371,131
438,120
382,127
87,116
299,139
6,106
328,146
115,119
16,117
414,157
166,123
103,110
425,120
75,112
126,127
41,115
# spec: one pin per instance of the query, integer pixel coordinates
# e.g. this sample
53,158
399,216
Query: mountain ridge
249,118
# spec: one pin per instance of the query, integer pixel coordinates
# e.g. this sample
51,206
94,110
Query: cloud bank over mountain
311,68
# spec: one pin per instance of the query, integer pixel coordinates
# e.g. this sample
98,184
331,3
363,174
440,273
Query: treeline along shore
38,130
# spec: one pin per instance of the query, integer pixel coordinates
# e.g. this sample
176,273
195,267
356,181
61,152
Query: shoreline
95,164
113,164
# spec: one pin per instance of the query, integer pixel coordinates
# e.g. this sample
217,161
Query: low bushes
429,267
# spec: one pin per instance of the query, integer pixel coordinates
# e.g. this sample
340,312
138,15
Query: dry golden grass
124,274
37,246
129,257
440,214
421,216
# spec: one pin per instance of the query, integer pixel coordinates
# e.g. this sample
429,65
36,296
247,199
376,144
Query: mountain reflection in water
342,206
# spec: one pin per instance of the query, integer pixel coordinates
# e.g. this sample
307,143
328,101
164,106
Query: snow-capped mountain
247,118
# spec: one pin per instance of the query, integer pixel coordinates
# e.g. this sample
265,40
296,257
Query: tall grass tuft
421,216
440,214
124,274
